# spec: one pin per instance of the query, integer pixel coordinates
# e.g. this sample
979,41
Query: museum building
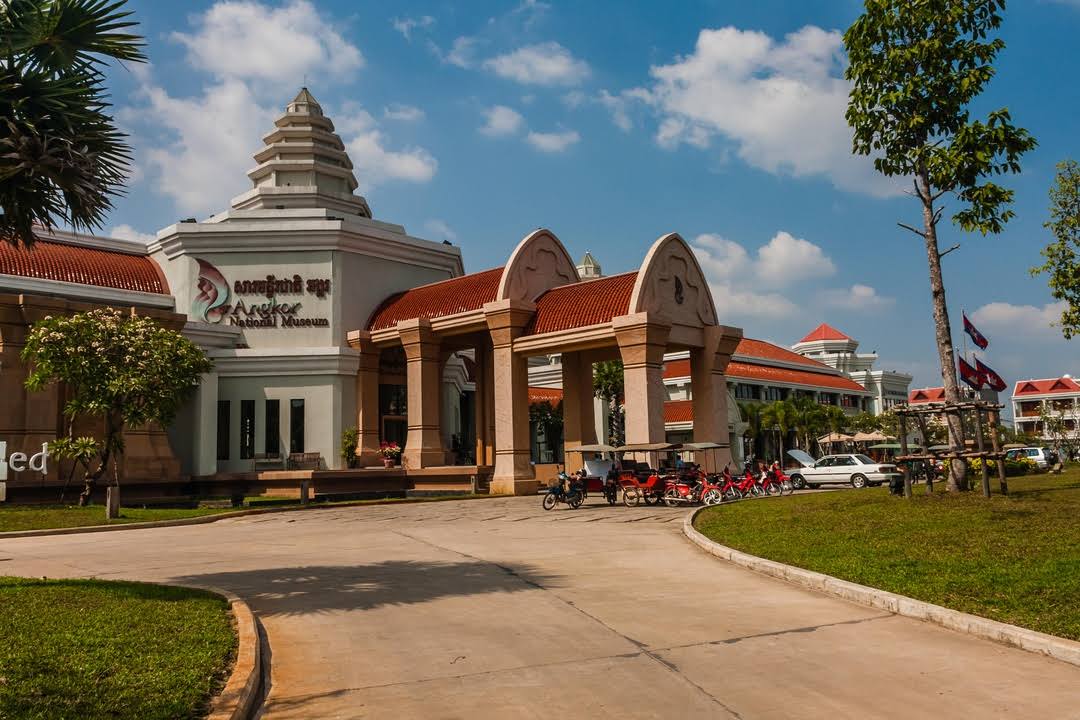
319,318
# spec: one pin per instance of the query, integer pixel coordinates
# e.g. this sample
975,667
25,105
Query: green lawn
1015,559
37,517
87,649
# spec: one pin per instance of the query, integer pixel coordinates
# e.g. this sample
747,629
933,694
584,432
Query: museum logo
262,304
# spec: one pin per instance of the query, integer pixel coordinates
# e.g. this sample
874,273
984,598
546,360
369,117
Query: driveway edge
237,699
203,519
1030,640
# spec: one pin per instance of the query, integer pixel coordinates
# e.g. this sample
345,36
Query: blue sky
612,123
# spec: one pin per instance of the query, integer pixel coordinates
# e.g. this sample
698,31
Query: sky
611,124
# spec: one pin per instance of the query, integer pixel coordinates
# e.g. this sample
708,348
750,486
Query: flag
970,375
976,337
988,376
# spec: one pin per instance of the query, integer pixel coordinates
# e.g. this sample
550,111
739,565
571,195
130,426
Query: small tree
780,415
1061,255
62,158
916,66
751,415
125,369
608,386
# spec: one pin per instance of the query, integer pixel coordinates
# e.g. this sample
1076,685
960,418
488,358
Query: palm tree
62,159
809,419
779,415
751,415
608,386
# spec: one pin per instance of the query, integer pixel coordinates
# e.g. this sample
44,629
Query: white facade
272,285
833,348
1033,401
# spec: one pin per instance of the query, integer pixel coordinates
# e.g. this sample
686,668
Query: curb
1058,648
203,519
237,699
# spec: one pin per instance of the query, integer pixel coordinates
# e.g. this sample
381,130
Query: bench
304,461
263,461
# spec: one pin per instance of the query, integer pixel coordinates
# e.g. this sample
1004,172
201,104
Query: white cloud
126,232
375,164
553,142
617,106
500,120
462,52
197,148
252,41
405,26
404,113
439,230
780,104
543,64
1006,319
786,259
857,298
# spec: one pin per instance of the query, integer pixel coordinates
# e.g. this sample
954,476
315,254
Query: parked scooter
611,488
684,489
569,490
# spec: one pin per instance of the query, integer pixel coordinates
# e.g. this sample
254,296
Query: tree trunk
943,331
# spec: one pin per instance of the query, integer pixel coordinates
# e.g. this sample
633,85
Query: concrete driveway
494,608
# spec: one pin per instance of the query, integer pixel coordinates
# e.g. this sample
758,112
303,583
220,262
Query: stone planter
388,462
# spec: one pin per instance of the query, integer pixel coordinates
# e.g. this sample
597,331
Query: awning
648,447
600,448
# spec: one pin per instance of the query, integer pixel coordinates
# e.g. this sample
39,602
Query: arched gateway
537,305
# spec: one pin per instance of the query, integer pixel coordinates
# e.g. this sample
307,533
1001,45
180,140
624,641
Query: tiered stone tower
303,165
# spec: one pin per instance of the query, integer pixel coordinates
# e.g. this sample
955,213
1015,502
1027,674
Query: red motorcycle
720,487
685,488
749,486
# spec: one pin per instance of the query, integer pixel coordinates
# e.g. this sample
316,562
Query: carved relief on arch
672,285
538,264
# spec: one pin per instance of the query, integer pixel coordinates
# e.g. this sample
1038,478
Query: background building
1056,398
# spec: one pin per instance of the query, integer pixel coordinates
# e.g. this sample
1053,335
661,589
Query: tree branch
920,233
937,215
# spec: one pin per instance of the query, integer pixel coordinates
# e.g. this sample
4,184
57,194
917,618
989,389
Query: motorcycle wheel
612,497
550,501
711,497
787,488
575,500
757,491
648,498
671,497
733,494
773,489
630,497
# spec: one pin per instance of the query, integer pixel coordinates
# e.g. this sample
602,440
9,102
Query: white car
853,469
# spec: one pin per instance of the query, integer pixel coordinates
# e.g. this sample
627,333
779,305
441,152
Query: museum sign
268,302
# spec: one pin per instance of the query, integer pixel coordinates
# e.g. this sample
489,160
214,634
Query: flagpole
967,358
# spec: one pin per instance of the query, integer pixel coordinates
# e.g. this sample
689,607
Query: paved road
494,609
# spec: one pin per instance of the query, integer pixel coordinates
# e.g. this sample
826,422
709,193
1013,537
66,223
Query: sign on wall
19,462
267,302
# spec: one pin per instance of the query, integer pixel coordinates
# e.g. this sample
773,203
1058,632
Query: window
223,414
864,460
746,392
296,426
247,429
272,442
844,460
774,393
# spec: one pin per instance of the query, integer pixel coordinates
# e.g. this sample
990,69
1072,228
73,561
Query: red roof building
83,265
447,297
824,332
926,395
1051,397
583,304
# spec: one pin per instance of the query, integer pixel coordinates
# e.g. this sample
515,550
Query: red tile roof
926,395
824,332
767,373
679,411
582,304
47,260
767,351
541,394
676,369
1046,387
447,297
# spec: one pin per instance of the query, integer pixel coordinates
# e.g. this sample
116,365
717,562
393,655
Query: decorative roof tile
768,373
447,297
748,347
47,260
543,394
679,411
1046,386
583,304
824,332
926,395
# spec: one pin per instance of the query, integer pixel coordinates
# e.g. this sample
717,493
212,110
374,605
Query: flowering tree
123,368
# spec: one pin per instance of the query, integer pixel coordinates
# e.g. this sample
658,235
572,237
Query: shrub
350,438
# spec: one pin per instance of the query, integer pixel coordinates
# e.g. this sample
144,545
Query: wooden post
112,502
982,451
906,469
1002,482
926,443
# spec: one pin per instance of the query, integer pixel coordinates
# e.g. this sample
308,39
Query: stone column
514,473
423,444
642,342
708,386
367,398
484,406
579,427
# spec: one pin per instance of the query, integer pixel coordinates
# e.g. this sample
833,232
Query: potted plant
390,452
350,437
